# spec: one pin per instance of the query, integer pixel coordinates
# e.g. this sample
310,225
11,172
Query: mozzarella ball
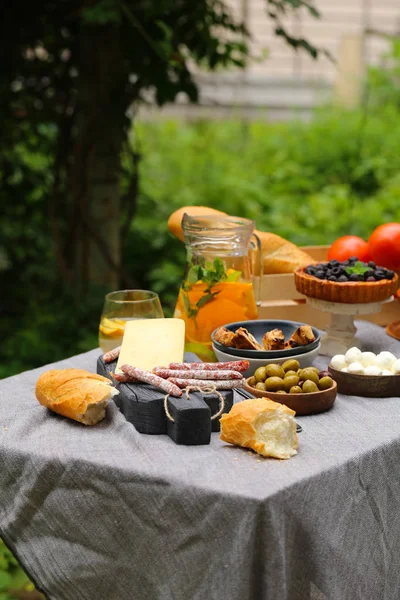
355,368
387,372
384,360
338,362
388,356
372,370
396,367
368,358
344,370
353,355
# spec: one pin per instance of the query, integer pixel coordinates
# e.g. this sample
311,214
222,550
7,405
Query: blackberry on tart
351,281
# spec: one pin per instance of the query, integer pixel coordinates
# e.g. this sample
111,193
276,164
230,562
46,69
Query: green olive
309,373
274,370
325,383
260,374
290,381
290,373
309,387
273,384
281,392
296,389
291,365
261,386
252,381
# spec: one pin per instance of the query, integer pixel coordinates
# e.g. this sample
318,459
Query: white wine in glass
122,306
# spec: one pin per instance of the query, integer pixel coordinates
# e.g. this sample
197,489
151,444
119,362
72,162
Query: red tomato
384,246
347,246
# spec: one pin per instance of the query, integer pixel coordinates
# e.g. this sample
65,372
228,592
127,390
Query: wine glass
122,306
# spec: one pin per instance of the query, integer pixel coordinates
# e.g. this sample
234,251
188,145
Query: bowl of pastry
265,339
305,390
247,340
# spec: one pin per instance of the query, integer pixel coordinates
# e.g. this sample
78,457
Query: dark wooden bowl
371,386
302,404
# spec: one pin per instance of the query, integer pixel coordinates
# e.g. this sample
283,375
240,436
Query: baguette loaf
75,394
265,426
279,255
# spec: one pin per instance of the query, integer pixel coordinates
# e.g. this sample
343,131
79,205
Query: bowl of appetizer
305,390
254,363
366,374
265,338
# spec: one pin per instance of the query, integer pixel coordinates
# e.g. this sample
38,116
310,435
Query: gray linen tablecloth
106,513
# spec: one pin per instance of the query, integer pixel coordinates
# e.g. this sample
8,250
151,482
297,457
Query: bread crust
239,426
74,393
278,255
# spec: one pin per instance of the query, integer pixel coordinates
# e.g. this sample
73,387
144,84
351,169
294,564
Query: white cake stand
340,332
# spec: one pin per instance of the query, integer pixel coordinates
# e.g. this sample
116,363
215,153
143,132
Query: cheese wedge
150,343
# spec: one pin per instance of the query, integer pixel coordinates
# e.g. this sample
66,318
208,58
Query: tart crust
357,292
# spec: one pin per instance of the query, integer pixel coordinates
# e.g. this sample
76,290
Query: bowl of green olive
305,390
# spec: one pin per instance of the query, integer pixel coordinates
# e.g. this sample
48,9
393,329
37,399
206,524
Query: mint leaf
186,303
359,268
206,298
193,274
219,268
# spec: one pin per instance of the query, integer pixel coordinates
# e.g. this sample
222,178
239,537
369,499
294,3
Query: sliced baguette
76,394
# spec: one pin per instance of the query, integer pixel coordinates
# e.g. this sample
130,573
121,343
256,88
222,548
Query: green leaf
219,268
359,268
234,276
186,302
193,275
206,298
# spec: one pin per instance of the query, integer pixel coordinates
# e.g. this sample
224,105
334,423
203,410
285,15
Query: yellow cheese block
150,343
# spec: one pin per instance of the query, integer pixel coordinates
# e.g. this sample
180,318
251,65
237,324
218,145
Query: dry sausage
147,377
197,374
227,384
112,355
234,365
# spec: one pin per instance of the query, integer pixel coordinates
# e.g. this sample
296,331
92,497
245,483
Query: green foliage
308,182
13,580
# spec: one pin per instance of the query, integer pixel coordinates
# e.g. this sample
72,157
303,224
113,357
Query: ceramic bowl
302,404
304,359
257,328
370,386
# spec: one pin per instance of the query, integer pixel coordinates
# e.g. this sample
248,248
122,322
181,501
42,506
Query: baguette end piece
265,426
76,394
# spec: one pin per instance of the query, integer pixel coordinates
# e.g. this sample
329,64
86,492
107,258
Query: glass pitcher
217,288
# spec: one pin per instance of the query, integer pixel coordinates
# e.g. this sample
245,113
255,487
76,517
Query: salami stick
112,355
234,365
123,378
147,377
227,384
197,374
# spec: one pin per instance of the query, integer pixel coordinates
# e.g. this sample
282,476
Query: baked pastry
265,426
350,282
224,336
303,335
279,255
76,394
244,340
274,340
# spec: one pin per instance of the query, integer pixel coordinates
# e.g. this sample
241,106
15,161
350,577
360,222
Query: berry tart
350,282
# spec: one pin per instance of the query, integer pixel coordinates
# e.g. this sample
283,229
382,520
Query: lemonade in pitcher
217,288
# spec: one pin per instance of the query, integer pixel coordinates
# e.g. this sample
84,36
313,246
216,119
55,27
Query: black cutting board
143,406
